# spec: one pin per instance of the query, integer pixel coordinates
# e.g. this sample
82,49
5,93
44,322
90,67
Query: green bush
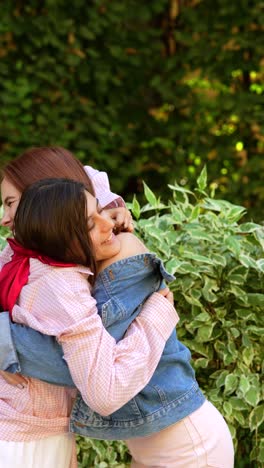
219,294
102,453
141,89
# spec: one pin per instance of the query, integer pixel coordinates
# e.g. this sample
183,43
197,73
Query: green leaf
248,262
211,204
219,259
220,381
150,196
259,235
233,244
227,408
201,363
236,279
186,268
198,234
248,356
220,348
204,333
202,179
244,314
185,282
238,404
2,242
239,293
172,265
235,332
256,417
238,270
156,233
197,257
209,289
248,227
259,331
203,317
252,396
239,418
232,430
261,451
135,208
192,300
195,213
231,383
177,214
234,213
178,188
260,264
214,396
256,299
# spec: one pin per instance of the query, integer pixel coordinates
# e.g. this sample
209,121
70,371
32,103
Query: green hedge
219,294
150,90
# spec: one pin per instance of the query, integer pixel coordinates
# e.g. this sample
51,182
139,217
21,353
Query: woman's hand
122,219
166,292
14,379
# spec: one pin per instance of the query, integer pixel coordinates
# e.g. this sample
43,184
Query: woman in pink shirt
56,300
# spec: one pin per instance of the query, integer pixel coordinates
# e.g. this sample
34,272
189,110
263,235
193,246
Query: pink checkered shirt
57,301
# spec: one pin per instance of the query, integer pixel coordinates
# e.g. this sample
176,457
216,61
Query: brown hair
42,163
51,219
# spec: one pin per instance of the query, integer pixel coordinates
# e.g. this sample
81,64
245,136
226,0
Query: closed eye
91,224
90,221
9,201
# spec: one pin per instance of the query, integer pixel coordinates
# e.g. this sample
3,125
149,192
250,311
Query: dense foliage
148,90
219,292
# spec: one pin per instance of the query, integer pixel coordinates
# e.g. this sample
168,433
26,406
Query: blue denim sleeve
25,350
8,355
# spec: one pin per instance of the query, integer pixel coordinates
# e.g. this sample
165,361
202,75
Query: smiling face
100,227
10,198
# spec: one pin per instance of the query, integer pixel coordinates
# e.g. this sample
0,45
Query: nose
6,221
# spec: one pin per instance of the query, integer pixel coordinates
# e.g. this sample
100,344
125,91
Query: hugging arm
31,353
107,374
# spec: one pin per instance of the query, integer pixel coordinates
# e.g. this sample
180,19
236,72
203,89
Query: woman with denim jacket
168,423
34,420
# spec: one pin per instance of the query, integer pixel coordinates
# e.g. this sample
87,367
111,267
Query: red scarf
14,274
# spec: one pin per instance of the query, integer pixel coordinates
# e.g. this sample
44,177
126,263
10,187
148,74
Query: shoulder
63,286
130,246
59,278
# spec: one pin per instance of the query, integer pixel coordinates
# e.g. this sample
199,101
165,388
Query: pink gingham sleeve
101,186
108,374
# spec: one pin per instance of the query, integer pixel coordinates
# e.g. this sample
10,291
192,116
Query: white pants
201,440
52,452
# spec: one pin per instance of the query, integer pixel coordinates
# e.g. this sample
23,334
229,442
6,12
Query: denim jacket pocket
112,311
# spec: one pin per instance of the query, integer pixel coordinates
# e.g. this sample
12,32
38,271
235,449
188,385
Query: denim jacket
172,393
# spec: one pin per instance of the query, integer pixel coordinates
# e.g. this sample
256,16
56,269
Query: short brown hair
42,163
51,219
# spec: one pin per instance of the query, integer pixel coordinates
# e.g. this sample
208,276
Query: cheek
94,238
13,210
